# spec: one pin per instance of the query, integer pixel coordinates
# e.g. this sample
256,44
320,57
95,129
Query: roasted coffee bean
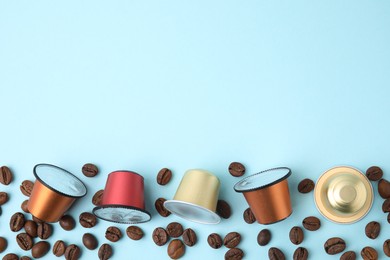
189,237
373,229
369,253
164,176
386,205
59,248
349,255
386,247
90,170
25,258
175,229
334,245
384,188
24,241
134,232
232,239
234,254
311,223
236,169
275,254
67,222
306,186
223,209
105,252
301,253
374,173
264,237
24,206
3,244
97,198
87,220
26,187
11,256
17,222
90,241
248,216
296,235
44,230
176,249
40,249
5,175
214,240
3,198
159,205
160,236
37,220
113,234
31,228
72,252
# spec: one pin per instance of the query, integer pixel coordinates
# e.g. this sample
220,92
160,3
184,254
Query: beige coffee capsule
343,195
196,197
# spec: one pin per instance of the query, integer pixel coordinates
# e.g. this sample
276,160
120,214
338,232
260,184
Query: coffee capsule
267,194
123,199
343,195
196,197
55,190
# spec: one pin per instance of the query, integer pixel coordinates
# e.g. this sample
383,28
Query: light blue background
142,85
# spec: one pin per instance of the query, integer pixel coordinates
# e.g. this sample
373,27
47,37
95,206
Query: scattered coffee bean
386,205
31,228
5,175
44,230
369,253
232,239
3,244
275,254
37,220
264,237
236,169
87,220
214,240
134,232
3,198
311,223
11,256
249,217
24,206
97,198
164,176
176,249
334,245
90,241
373,229
159,205
386,247
349,255
301,253
223,209
105,252
25,258
26,187
160,236
59,248
17,222
113,234
175,229
72,252
189,237
67,222
384,188
296,235
306,186
40,249
90,170
374,173
234,254
24,241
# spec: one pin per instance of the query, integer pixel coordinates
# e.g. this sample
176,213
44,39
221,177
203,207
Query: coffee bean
306,186
90,241
214,240
176,249
26,187
232,239
189,237
373,229
105,252
67,222
24,241
374,173
31,228
234,254
334,245
11,256
311,223
160,236
223,209
44,230
386,205
25,258
386,247
264,237
90,170
24,206
5,175
97,198
37,220
236,169
248,216
113,234
159,205
87,220
301,253
275,254
384,188
134,232
175,229
3,244
349,255
72,252
3,198
59,248
40,249
296,235
369,253
164,176
17,222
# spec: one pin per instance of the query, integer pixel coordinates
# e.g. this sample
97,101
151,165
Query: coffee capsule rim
211,213
145,214
257,175
54,189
